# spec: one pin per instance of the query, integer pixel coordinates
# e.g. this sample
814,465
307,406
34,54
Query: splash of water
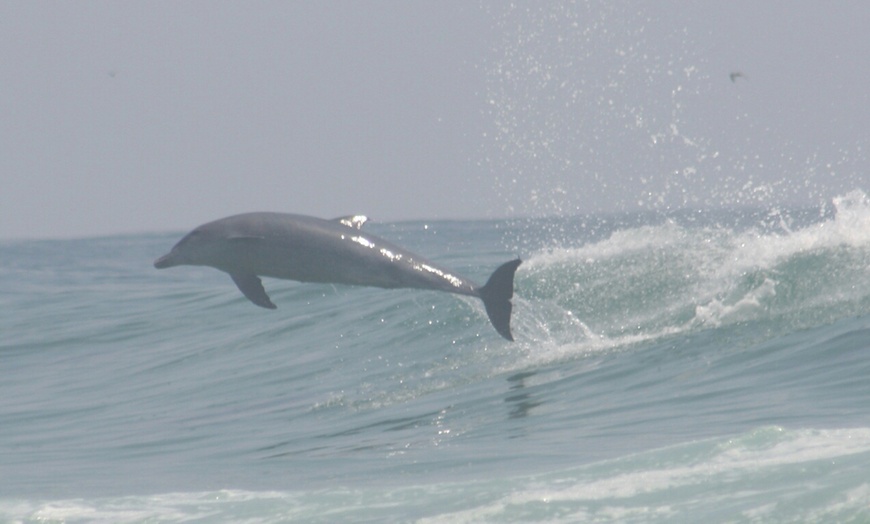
610,106
652,281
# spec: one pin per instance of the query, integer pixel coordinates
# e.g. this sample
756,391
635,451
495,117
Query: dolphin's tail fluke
496,295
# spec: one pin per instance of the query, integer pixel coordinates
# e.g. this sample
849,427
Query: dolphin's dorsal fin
252,287
354,221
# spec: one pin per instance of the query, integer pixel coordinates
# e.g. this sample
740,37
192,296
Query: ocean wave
651,281
768,474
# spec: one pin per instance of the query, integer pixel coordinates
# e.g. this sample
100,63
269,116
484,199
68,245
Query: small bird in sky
735,75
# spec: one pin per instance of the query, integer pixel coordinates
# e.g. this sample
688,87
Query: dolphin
308,249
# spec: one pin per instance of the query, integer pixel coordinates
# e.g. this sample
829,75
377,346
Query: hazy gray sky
148,116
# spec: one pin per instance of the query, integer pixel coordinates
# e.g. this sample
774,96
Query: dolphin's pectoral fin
354,221
252,287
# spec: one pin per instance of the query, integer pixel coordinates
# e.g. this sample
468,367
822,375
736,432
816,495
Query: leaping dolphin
309,249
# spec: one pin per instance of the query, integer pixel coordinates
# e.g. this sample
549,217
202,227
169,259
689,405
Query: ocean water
669,367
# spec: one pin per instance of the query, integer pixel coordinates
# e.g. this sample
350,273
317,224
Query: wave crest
646,282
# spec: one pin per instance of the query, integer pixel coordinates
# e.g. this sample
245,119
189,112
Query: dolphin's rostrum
308,249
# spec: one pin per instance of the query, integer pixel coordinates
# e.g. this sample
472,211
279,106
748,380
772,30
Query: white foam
717,311
167,507
724,276
678,483
721,250
652,486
